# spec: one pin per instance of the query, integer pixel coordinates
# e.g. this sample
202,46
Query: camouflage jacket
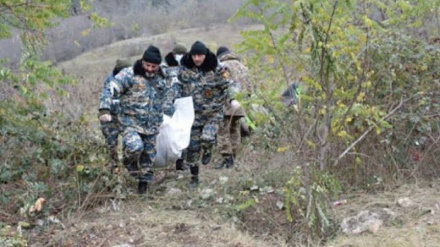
239,75
172,80
114,104
110,94
209,91
208,87
142,100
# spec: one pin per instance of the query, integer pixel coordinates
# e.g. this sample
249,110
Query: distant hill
92,67
76,34
95,64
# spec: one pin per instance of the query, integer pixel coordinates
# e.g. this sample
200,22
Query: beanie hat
198,48
222,50
152,55
179,49
122,63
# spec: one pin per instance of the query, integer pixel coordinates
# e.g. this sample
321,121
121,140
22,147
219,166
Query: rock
174,192
375,225
405,202
389,212
206,193
223,180
364,221
254,188
216,227
280,205
268,189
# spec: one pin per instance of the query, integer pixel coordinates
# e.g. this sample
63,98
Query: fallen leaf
37,206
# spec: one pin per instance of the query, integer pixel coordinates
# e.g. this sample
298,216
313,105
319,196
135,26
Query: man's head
198,53
222,50
178,51
151,60
120,64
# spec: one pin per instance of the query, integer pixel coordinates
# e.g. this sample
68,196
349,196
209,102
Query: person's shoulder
124,73
109,77
234,65
169,70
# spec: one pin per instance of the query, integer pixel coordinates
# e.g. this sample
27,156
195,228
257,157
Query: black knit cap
198,48
222,50
152,55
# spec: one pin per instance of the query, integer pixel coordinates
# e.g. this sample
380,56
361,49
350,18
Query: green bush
44,155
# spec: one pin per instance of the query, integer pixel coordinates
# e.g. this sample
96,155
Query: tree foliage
364,69
30,19
41,148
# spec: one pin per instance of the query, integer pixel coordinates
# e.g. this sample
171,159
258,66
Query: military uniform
208,87
172,68
143,100
229,137
110,130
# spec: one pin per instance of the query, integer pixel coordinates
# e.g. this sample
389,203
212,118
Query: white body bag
174,133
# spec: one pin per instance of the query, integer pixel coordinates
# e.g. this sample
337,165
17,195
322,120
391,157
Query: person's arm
167,94
113,87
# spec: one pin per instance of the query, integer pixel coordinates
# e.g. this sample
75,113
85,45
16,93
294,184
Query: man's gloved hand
235,105
105,118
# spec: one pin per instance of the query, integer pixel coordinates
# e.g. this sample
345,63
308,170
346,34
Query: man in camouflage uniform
110,129
202,78
229,132
172,66
172,62
143,101
172,59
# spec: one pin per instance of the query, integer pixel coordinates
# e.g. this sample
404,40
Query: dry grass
162,219
138,224
418,225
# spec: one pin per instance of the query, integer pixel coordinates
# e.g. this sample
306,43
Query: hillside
175,216
353,162
238,207
96,64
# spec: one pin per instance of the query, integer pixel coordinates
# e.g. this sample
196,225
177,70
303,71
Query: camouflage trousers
229,137
139,154
110,130
201,137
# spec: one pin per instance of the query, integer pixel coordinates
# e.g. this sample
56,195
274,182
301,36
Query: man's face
198,59
150,68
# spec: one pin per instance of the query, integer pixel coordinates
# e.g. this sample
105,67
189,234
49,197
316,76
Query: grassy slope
185,219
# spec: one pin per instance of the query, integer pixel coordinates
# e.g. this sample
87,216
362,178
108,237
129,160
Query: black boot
142,187
179,165
143,182
206,156
194,177
228,162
